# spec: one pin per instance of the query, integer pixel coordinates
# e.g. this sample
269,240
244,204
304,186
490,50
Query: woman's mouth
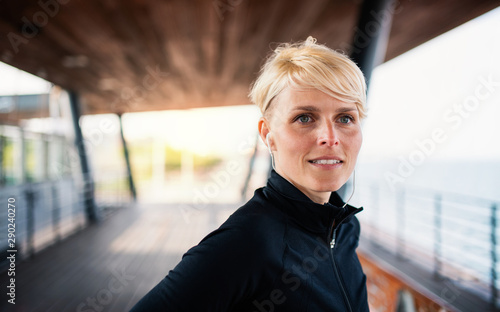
325,161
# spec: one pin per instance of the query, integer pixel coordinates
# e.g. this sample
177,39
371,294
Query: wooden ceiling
144,55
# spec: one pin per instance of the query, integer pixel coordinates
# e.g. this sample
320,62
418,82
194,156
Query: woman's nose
328,135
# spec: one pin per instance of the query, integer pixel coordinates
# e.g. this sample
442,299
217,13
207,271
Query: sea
446,211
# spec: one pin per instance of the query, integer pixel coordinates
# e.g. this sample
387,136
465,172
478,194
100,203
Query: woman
292,246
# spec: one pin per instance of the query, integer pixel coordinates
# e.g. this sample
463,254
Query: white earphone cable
353,187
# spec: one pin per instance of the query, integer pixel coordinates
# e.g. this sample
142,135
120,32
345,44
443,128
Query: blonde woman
292,247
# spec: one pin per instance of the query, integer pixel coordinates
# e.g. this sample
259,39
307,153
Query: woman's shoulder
259,215
243,256
254,227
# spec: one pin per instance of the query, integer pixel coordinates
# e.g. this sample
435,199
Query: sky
434,87
15,81
427,94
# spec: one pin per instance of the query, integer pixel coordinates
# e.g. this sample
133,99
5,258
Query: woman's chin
328,186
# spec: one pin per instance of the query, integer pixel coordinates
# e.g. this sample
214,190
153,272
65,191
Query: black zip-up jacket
278,252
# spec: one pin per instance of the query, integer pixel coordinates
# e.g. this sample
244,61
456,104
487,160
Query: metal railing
452,235
47,212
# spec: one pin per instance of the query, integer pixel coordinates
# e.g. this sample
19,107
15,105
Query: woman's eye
346,119
304,119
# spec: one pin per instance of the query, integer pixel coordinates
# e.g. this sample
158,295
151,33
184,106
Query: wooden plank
211,49
388,275
139,243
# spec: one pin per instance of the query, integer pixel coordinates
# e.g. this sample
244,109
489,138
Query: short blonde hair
309,65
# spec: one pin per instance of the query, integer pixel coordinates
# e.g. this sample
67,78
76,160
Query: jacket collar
313,216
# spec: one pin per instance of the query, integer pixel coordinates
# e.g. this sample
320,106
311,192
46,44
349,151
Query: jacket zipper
335,268
333,232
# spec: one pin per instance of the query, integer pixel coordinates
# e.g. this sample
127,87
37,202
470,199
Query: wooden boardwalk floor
111,265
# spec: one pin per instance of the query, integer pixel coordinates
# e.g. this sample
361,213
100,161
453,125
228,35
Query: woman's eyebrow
307,108
346,109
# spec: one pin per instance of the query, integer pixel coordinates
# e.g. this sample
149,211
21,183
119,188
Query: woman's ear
264,129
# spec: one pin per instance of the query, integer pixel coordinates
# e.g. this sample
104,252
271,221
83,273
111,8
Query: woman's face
315,140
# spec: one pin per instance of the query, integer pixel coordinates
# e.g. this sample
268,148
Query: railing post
30,226
493,251
437,235
2,169
56,212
